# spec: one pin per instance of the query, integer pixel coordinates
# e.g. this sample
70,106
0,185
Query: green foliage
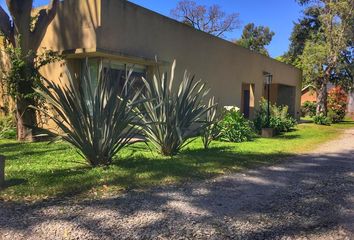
20,74
23,75
256,38
210,131
313,59
171,118
303,30
322,45
234,127
321,119
7,128
280,120
97,122
308,109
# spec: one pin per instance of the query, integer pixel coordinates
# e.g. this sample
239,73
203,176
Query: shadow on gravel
307,194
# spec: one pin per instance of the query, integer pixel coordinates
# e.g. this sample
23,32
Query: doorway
247,100
246,103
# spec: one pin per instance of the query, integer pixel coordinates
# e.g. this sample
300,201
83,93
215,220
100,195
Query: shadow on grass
136,168
18,150
14,182
137,171
350,122
275,195
287,137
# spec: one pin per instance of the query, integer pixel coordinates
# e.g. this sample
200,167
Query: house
309,94
121,34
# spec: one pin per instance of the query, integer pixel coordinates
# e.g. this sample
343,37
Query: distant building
308,93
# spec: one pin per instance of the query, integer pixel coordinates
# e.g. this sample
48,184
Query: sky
278,15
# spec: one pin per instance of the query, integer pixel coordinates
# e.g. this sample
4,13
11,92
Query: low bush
322,120
234,127
280,119
7,127
308,109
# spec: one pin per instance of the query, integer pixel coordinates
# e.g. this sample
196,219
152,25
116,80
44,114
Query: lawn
36,171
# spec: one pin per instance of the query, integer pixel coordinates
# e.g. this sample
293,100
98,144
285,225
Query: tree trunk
26,119
2,171
26,116
321,98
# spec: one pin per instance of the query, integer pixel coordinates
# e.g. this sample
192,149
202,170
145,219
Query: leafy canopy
256,38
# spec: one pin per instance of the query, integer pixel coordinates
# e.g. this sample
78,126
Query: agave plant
171,117
97,122
209,131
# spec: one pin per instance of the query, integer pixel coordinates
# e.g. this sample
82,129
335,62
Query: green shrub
97,122
322,120
280,120
172,117
308,109
7,128
234,127
335,116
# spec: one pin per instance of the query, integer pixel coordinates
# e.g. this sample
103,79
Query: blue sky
279,15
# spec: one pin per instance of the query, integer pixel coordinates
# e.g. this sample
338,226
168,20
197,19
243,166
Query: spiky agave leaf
171,117
97,122
210,118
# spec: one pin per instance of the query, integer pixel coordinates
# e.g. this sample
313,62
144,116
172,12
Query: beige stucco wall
120,29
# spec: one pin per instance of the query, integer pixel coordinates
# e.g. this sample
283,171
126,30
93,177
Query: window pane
93,68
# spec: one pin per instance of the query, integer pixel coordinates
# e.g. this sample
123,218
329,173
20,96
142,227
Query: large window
118,71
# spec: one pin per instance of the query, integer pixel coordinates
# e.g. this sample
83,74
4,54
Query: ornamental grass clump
172,116
97,122
210,131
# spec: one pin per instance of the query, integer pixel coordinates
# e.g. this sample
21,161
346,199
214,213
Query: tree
24,34
322,54
211,20
306,27
256,38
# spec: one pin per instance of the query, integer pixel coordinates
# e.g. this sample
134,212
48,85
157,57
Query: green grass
37,171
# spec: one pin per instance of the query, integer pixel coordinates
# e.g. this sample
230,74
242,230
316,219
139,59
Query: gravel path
307,197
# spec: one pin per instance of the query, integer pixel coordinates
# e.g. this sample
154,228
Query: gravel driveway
306,197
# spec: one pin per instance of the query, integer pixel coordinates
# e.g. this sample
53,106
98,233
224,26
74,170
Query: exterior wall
75,26
308,95
6,104
118,29
223,65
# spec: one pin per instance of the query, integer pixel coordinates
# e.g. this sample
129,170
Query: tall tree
25,34
323,52
303,30
256,38
208,19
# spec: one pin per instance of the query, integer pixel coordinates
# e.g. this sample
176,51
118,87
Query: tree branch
45,17
5,26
